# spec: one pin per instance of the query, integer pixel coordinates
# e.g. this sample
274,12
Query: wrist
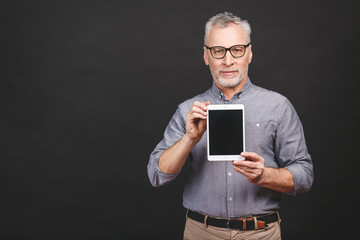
189,140
262,180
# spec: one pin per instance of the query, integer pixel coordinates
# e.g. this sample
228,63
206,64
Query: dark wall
88,87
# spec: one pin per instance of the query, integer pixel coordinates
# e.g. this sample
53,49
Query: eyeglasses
236,51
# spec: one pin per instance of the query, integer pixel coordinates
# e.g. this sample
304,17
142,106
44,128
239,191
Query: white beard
230,82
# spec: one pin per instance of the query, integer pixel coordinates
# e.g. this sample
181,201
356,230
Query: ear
206,57
250,54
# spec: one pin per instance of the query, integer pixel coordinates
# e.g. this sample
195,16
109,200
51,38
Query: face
228,72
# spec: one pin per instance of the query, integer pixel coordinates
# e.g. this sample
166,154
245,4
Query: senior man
238,199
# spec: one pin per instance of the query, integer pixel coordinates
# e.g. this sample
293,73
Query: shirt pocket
259,136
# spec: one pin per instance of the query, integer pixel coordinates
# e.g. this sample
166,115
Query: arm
295,173
173,159
171,153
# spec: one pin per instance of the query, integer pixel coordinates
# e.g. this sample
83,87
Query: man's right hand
173,159
196,121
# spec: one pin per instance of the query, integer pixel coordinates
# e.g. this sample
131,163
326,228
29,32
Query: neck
230,91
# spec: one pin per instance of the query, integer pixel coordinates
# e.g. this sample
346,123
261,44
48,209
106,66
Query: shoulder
262,103
267,96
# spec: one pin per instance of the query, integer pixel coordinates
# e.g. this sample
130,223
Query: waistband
245,223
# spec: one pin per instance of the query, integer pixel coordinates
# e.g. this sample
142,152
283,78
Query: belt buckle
243,220
258,224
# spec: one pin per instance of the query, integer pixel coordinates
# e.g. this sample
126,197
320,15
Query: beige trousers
198,231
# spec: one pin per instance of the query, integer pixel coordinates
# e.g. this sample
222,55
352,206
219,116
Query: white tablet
225,132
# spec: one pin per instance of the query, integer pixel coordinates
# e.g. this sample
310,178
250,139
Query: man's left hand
252,167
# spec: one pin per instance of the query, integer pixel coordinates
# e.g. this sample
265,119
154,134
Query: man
239,199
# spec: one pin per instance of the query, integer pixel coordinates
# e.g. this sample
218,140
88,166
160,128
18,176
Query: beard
230,82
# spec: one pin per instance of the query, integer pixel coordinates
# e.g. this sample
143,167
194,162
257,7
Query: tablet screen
225,132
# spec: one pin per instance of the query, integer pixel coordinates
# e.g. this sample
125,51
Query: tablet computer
225,132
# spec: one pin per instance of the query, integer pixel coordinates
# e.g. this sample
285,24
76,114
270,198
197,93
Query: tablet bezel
215,107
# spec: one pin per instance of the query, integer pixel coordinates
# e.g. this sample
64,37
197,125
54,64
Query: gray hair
223,19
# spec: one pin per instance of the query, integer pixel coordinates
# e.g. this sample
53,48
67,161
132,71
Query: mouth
228,73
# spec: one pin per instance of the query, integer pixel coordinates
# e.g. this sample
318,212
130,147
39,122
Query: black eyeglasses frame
228,49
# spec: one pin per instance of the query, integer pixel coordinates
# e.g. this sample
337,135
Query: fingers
248,172
251,156
198,110
253,175
247,165
252,167
196,120
195,115
202,105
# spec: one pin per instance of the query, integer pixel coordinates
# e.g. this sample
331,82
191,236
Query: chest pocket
259,136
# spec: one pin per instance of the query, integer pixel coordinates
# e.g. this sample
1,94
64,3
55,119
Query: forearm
278,179
173,159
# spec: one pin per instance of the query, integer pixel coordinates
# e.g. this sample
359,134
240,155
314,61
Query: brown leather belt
245,223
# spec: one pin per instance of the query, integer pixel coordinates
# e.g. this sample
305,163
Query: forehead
228,36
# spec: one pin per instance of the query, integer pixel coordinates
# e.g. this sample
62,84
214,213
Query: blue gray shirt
273,130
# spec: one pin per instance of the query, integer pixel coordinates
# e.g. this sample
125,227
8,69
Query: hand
252,167
196,121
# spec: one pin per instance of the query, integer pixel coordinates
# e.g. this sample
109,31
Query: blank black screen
225,132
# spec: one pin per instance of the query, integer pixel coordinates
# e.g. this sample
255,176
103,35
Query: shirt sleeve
291,150
173,133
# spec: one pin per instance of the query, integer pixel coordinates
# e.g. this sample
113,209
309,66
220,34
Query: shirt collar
220,95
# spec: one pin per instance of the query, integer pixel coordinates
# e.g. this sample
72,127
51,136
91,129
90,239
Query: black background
88,87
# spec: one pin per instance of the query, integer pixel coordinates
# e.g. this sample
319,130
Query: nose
228,59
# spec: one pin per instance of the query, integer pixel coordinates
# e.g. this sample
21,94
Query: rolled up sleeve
173,133
291,150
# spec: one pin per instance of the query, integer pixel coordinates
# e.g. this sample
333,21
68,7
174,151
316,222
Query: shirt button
230,199
229,174
258,125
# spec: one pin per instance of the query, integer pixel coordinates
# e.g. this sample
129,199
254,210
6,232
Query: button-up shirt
272,129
